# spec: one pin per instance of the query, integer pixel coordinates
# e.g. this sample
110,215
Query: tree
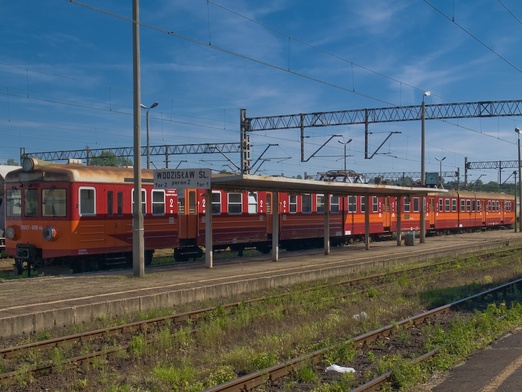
12,162
107,158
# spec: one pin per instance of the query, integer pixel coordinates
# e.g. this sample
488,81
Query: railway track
271,375
175,320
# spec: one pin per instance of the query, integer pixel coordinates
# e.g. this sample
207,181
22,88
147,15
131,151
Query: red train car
82,216
466,210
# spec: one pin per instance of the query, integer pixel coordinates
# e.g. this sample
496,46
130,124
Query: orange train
82,216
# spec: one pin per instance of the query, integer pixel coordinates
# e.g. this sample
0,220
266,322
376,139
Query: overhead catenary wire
350,90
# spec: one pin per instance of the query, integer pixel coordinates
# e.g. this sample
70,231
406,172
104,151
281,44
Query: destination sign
181,178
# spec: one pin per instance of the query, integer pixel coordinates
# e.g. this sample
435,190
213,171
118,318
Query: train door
386,212
115,226
432,211
188,214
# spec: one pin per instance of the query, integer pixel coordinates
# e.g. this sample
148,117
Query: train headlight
10,233
29,164
49,233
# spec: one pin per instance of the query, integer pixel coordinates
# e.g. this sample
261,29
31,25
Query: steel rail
247,381
250,381
278,371
383,378
195,314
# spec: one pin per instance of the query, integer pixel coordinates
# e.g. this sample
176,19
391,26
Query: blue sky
66,77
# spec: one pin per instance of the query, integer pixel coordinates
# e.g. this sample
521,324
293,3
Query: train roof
292,185
73,172
478,195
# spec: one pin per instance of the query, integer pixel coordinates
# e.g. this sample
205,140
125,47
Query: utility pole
138,242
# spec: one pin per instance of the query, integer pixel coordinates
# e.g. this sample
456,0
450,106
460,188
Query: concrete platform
34,305
498,368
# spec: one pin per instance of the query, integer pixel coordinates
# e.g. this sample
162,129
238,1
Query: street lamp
344,145
423,166
519,181
440,168
148,134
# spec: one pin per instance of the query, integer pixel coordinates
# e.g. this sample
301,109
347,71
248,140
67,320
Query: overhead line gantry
165,150
301,121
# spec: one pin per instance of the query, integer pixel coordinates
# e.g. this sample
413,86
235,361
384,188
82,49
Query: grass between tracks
232,342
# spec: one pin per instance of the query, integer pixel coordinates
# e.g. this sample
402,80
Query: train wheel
148,257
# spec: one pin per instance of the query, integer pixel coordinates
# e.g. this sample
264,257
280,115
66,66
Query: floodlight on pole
148,134
344,145
440,167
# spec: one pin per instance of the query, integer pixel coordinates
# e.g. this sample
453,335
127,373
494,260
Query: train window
216,203
14,202
87,201
143,201
498,206
334,204
375,204
252,202
319,203
120,203
352,204
307,203
441,204
454,205
110,203
462,205
363,203
473,205
158,202
416,204
54,202
406,204
479,206
468,205
31,202
234,203
447,205
292,203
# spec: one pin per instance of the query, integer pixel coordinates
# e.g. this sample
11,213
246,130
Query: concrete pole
423,169
326,224
138,242
209,254
275,226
